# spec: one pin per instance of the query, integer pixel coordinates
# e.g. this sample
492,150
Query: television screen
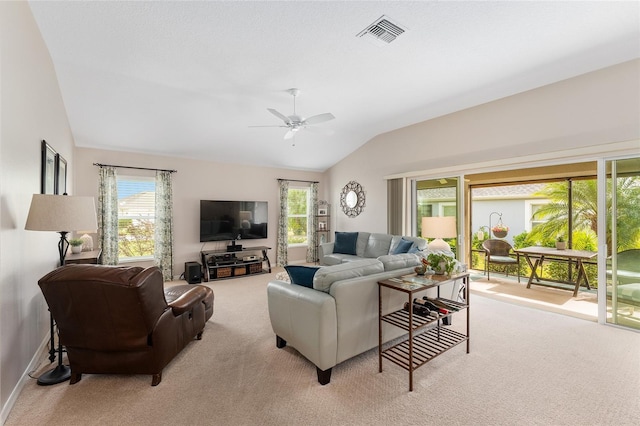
232,220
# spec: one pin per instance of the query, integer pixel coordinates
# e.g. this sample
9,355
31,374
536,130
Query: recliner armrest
182,301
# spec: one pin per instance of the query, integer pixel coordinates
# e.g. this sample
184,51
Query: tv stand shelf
219,264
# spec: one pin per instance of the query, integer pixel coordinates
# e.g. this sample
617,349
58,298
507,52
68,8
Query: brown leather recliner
121,320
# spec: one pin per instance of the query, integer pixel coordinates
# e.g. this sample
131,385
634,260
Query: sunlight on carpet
584,305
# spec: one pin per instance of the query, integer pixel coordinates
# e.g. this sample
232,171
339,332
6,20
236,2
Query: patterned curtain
108,215
163,251
312,218
283,238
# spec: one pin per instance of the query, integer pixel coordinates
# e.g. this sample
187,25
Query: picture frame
322,211
48,169
61,175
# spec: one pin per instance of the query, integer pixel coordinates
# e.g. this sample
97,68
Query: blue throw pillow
414,250
301,275
402,247
345,242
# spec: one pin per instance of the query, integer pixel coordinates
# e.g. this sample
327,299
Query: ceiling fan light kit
295,122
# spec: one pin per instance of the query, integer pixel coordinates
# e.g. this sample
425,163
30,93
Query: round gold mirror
352,199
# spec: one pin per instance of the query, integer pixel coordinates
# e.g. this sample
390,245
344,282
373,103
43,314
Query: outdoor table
539,253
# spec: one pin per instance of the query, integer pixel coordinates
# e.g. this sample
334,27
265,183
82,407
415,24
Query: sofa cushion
402,247
378,245
301,275
361,244
345,242
327,275
391,262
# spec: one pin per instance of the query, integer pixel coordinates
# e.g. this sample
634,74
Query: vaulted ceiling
189,79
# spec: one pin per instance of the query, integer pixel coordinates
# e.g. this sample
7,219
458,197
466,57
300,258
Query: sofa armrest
306,319
324,249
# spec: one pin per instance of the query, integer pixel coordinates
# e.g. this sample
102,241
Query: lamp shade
61,213
439,228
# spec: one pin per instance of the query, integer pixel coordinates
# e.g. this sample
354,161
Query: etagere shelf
323,228
427,335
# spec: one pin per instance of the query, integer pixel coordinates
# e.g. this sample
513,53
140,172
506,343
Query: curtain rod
298,180
136,168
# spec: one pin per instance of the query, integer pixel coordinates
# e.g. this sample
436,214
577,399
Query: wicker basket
239,270
255,268
223,272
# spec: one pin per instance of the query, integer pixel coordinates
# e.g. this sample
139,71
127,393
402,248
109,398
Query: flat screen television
232,220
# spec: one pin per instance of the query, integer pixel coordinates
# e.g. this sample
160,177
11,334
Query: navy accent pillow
414,250
301,275
402,247
345,242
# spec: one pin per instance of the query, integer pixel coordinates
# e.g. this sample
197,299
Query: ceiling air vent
382,31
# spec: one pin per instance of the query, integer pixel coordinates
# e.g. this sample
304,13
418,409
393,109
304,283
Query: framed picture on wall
48,174
61,175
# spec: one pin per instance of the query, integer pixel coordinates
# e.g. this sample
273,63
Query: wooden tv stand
219,264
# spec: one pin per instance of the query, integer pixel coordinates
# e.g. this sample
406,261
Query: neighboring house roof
137,204
521,191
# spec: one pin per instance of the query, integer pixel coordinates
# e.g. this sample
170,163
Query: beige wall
194,181
591,110
31,109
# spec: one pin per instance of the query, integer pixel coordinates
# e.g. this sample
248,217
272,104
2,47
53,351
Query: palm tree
584,211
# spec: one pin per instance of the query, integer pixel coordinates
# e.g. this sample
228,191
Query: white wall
591,110
31,109
194,181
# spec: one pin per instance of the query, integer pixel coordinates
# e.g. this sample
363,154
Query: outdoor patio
559,300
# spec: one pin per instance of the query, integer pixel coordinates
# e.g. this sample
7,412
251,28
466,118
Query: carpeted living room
525,366
348,109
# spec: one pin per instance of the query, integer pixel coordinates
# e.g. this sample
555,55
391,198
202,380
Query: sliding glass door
622,201
437,198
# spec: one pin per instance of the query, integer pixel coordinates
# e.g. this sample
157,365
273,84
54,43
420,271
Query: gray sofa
337,319
368,246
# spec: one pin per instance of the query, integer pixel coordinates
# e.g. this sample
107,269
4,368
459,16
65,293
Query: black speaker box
192,272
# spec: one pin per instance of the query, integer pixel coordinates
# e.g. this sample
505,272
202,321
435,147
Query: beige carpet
526,367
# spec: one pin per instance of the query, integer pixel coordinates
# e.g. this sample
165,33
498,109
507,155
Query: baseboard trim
41,353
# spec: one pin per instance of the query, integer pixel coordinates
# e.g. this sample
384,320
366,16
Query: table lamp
62,214
438,228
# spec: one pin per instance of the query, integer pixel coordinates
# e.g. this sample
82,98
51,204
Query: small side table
89,257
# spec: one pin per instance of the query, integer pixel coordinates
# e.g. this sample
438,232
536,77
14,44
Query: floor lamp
439,227
62,214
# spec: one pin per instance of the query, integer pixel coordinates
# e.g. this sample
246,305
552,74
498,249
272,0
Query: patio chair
499,252
628,270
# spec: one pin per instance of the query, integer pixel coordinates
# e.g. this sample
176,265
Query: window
531,207
297,216
136,217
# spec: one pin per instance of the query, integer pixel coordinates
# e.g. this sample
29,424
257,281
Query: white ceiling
188,78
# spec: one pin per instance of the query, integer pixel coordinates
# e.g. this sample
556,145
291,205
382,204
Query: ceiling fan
296,122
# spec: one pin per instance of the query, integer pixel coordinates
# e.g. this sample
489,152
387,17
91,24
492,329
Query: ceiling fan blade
275,125
290,134
279,115
320,118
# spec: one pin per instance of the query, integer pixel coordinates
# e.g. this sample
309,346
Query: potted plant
441,263
561,244
500,230
76,245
